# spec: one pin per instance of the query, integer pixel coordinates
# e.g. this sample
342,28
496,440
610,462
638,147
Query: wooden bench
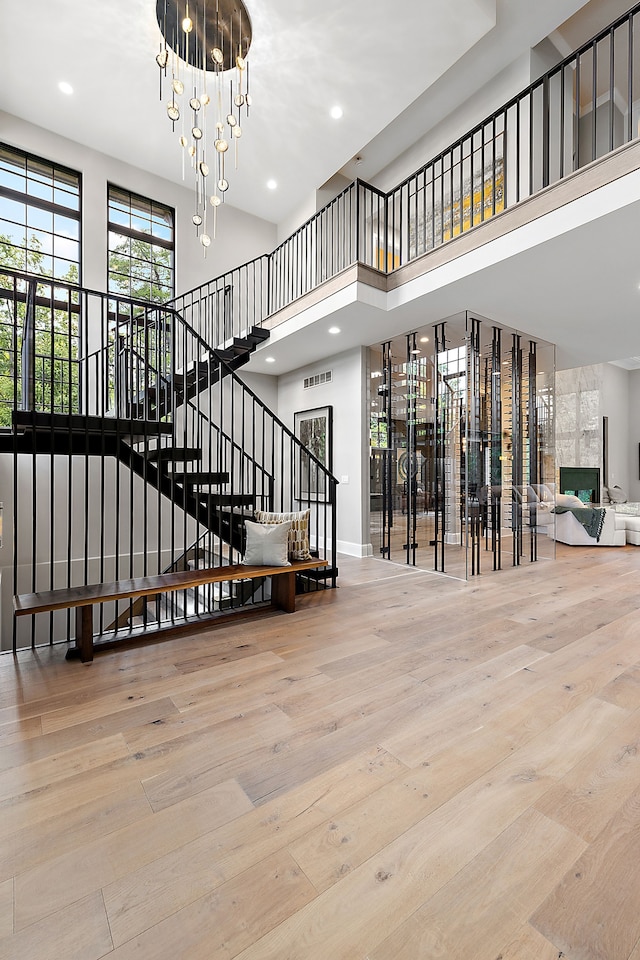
283,593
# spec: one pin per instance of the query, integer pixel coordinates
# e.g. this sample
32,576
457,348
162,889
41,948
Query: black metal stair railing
140,451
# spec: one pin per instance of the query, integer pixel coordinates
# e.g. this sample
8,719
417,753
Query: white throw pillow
568,500
267,544
617,494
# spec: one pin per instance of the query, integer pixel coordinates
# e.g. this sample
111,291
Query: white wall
634,435
264,387
615,406
295,219
479,105
240,237
334,185
584,395
346,394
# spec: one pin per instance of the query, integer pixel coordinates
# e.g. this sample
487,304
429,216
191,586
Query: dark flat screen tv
582,482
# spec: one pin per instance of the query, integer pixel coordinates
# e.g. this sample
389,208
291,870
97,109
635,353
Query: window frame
48,206
116,192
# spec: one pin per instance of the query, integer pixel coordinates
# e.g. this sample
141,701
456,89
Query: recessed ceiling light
65,87
334,329
424,339
269,359
336,112
272,184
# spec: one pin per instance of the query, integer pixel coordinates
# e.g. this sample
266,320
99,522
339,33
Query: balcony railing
579,111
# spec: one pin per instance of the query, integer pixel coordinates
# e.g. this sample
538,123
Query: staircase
151,466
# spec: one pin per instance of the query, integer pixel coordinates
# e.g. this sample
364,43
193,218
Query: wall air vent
317,379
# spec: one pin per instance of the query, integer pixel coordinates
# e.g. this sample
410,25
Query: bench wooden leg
84,632
283,591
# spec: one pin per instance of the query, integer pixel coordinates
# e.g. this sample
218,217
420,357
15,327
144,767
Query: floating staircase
140,452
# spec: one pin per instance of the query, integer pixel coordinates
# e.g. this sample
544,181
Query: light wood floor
406,768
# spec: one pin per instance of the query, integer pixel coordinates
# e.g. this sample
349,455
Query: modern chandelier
202,61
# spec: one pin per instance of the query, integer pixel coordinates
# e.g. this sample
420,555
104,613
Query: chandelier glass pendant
204,78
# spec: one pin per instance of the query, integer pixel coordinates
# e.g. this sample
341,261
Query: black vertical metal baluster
576,144
612,88
16,489
424,210
461,188
531,145
594,99
451,178
516,444
562,121
546,120
495,477
518,135
433,205
534,478
408,483
101,375
630,69
438,540
441,178
505,164
472,465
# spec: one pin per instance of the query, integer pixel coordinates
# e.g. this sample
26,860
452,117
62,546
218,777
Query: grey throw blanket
591,518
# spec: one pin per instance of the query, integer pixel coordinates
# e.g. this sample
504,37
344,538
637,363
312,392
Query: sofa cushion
568,500
617,494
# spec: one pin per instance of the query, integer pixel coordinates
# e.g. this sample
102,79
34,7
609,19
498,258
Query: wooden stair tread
124,427
181,454
258,334
227,499
195,479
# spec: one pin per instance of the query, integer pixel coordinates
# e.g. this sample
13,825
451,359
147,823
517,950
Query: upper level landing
562,263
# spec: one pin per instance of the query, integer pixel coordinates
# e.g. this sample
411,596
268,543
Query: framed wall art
313,428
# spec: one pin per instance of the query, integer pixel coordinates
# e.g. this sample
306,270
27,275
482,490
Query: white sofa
568,529
540,500
632,525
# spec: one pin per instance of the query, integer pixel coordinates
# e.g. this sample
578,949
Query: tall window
141,247
39,216
40,220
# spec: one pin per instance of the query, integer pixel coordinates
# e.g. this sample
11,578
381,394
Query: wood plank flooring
407,768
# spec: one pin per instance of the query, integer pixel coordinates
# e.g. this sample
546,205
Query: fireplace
582,482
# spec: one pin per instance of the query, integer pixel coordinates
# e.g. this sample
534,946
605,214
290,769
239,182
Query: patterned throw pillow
298,532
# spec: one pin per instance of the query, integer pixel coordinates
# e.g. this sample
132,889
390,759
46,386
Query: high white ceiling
305,58
374,58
